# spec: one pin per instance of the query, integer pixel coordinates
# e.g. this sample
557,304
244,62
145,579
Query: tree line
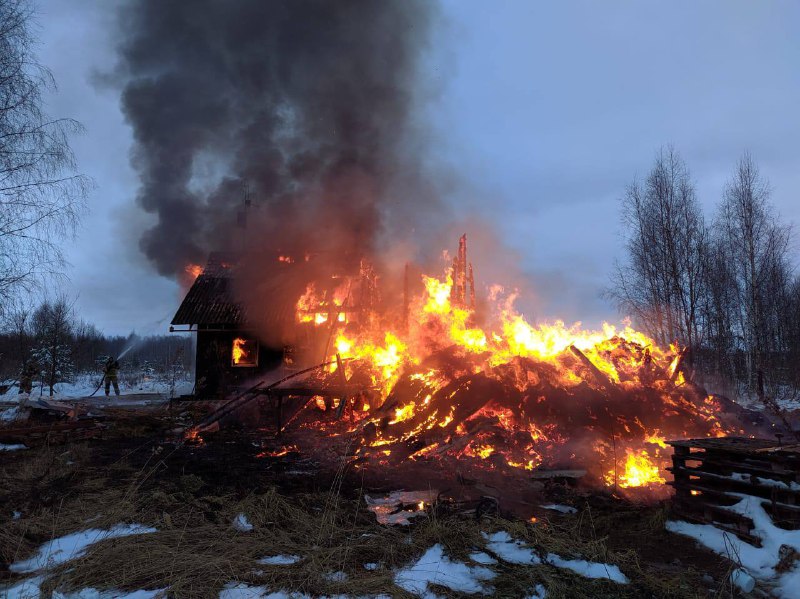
723,286
50,340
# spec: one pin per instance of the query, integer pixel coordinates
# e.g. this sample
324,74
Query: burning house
227,352
428,378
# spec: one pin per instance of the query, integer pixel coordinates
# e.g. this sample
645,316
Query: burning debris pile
438,380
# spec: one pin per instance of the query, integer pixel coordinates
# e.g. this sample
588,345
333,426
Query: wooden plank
723,483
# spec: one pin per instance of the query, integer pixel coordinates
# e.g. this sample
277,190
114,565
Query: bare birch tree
756,247
661,284
41,194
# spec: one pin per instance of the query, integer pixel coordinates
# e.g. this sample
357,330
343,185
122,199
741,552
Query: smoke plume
304,107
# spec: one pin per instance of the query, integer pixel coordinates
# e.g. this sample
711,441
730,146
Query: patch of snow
16,515
24,589
241,590
767,482
63,549
9,415
15,447
759,562
588,569
516,552
371,566
557,507
335,576
742,580
507,549
242,524
482,558
435,568
538,593
279,560
399,506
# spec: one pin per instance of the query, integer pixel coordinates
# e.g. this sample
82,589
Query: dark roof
209,302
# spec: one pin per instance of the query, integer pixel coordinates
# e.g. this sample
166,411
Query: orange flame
238,350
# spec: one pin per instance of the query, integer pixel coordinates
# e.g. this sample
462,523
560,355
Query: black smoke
307,107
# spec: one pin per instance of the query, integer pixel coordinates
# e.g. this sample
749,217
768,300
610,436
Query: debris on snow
399,506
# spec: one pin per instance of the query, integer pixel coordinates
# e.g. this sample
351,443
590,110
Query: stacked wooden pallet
711,475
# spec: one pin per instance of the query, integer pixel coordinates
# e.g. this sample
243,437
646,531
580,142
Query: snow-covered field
85,384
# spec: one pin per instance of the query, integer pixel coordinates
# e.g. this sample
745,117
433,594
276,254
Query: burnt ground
140,472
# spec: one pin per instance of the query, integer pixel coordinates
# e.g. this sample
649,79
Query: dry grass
196,551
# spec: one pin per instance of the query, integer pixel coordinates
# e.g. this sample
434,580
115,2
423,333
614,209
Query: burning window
244,352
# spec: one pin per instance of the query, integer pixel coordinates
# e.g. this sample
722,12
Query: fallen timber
273,390
713,474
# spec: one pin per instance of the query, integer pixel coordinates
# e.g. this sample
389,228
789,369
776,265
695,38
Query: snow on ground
244,591
482,558
63,549
9,414
279,560
242,524
760,562
538,593
24,589
16,447
516,552
85,384
241,590
767,482
434,567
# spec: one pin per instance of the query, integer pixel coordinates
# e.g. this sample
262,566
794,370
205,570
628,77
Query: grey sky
546,112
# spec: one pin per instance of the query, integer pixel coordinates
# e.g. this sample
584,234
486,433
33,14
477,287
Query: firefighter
111,375
29,372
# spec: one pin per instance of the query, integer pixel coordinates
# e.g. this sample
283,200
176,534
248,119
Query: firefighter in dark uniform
111,375
29,372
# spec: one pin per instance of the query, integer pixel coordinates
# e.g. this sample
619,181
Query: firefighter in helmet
111,375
